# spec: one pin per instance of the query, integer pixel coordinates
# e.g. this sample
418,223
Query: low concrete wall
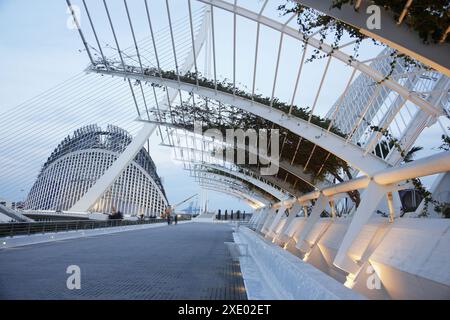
410,257
413,259
285,276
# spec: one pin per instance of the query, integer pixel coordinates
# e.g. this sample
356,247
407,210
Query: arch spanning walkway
254,200
296,170
229,181
260,183
210,158
245,177
352,154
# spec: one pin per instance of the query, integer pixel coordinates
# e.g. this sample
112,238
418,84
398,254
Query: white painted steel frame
316,43
257,183
352,154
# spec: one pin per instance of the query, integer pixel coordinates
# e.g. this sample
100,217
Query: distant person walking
175,219
168,219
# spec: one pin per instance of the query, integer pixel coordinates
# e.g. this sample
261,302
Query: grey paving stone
188,261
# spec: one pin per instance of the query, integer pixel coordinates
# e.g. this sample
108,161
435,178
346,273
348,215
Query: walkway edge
283,275
18,241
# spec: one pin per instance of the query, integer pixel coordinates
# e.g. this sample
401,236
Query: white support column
255,217
391,207
292,214
276,220
266,214
319,206
369,203
263,216
258,216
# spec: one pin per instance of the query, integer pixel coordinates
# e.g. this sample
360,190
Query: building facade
79,160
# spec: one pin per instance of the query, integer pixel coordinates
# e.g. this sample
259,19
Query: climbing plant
429,18
445,142
319,162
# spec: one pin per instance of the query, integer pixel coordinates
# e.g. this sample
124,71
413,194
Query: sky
38,51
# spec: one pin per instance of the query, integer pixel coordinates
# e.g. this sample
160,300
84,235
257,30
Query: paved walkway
188,261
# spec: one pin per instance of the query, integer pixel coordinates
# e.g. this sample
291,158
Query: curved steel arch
343,57
253,181
255,204
215,177
257,183
243,194
229,182
296,170
352,154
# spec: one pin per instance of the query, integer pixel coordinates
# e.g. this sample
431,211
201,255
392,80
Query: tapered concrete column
262,219
319,206
369,203
256,217
272,227
281,236
268,221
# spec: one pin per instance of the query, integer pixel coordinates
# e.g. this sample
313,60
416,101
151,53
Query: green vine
429,18
432,21
228,117
309,20
445,142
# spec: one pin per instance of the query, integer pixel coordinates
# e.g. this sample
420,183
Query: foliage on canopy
293,149
429,18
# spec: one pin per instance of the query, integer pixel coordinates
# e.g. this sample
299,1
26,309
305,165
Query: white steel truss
331,142
385,103
352,154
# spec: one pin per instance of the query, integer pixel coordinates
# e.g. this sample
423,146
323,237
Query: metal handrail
28,228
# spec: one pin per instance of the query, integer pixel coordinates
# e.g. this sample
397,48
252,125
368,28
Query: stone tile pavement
188,261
